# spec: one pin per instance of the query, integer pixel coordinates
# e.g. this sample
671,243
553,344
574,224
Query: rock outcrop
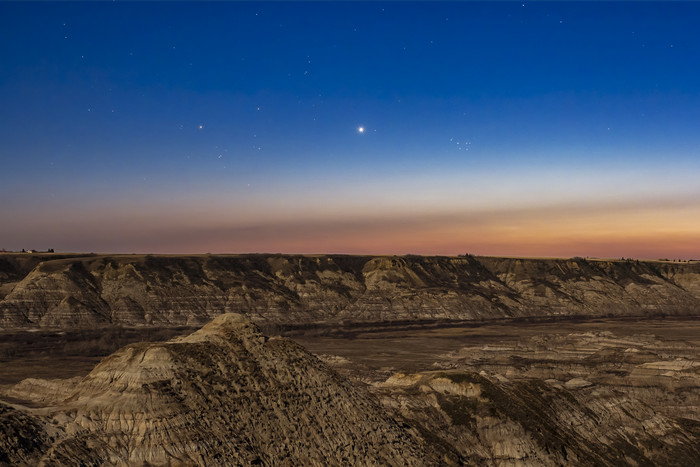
301,290
224,395
589,398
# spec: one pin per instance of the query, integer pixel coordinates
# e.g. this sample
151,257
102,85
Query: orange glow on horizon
638,230
649,234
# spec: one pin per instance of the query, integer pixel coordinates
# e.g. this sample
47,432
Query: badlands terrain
52,291
348,360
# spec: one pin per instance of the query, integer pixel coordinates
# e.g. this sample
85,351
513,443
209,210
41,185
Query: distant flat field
375,351
418,349
65,354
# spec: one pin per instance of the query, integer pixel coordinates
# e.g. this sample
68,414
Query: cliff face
297,290
225,395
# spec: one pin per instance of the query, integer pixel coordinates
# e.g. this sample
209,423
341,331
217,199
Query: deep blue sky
226,116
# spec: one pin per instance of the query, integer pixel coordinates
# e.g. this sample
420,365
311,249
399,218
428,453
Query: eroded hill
288,290
224,395
597,392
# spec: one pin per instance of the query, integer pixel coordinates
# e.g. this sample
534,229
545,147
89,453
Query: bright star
361,129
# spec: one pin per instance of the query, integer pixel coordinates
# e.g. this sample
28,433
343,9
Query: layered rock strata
590,398
291,290
225,395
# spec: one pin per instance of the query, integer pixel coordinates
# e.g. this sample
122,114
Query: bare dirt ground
420,349
377,351
599,392
66,354
570,392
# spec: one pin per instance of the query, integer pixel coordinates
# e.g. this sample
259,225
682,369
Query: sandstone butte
224,395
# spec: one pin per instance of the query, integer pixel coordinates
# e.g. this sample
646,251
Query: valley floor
600,392
596,392
415,348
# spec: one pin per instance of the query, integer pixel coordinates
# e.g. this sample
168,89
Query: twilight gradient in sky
537,128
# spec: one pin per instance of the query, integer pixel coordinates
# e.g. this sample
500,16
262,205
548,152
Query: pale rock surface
589,398
54,291
224,395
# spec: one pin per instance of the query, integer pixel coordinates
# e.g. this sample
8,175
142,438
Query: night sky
515,129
